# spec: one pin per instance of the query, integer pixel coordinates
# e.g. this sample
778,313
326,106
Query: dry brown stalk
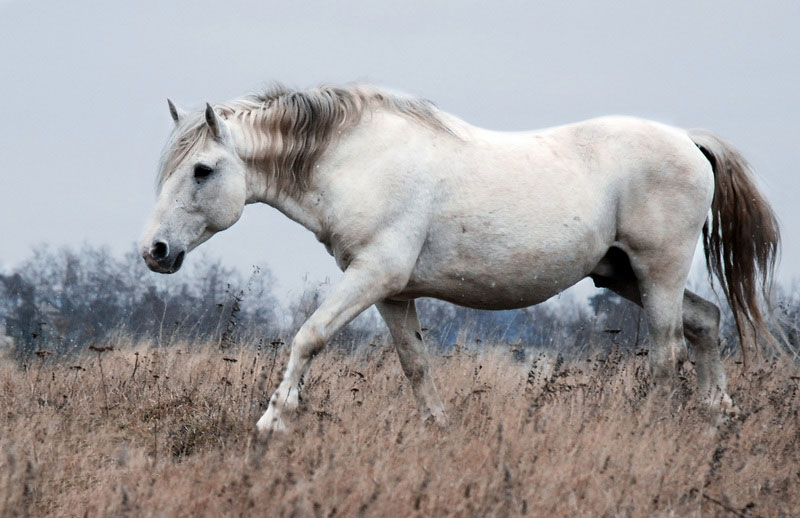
539,437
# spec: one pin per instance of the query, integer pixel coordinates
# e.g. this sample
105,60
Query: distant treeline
65,300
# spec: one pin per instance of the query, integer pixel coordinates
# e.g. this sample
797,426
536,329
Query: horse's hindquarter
518,218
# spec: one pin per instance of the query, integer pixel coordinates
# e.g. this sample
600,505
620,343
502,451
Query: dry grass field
137,431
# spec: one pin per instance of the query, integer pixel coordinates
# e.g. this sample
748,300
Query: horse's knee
308,341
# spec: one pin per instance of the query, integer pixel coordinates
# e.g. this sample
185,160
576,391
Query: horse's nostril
159,251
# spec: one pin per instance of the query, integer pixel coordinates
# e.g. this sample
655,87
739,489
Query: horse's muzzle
161,259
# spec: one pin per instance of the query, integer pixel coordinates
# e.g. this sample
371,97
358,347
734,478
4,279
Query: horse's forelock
190,134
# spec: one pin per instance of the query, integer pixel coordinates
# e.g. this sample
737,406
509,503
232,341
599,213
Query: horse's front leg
360,287
401,318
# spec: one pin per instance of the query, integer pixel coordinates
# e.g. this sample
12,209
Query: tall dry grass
139,431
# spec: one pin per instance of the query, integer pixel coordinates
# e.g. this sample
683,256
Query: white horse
413,202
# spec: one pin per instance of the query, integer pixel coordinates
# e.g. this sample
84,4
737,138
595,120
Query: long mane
288,130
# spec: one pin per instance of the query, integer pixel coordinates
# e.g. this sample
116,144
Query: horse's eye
201,171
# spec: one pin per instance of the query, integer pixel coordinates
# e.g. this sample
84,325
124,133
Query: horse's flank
290,129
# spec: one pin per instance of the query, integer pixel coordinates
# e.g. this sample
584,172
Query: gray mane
290,129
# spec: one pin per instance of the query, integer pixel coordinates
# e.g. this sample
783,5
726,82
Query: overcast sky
83,88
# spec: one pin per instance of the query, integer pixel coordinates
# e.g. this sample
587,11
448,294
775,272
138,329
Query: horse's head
202,189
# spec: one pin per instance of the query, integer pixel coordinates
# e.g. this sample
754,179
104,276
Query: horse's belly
479,295
496,273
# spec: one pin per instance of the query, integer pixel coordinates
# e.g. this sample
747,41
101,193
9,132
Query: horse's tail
741,239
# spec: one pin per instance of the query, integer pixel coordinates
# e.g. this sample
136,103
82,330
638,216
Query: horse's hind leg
701,327
655,281
661,279
401,318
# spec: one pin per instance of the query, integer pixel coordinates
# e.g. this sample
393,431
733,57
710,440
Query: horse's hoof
437,419
720,410
270,422
728,407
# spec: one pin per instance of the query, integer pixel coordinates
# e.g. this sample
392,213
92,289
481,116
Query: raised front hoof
270,423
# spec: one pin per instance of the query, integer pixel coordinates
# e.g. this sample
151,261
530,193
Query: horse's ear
177,113
215,123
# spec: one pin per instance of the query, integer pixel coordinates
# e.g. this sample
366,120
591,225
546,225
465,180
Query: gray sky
83,87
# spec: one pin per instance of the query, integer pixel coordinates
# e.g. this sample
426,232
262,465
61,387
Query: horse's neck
299,210
258,188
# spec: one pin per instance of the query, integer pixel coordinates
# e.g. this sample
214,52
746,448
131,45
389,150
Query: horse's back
612,171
